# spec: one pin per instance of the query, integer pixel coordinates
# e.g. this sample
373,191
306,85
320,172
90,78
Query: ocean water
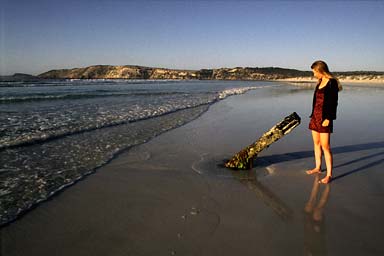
54,133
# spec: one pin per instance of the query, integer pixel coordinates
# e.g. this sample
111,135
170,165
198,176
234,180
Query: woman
323,113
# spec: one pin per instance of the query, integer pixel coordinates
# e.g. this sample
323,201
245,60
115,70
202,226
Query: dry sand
169,197
379,80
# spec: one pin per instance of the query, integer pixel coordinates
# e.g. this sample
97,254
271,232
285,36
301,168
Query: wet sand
170,197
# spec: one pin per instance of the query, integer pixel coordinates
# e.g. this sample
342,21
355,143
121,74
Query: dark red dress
317,117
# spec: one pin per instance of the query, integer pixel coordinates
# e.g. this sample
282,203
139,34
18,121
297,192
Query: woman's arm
330,100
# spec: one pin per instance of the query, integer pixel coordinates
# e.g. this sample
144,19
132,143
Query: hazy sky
40,35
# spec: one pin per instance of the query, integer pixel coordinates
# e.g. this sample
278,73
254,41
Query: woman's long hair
322,67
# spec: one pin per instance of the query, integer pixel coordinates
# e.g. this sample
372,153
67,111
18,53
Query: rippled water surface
54,133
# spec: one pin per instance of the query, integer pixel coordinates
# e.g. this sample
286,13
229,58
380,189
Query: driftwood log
243,160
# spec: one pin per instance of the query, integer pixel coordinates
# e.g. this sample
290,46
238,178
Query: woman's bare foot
326,180
314,170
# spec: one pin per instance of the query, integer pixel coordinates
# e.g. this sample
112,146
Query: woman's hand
325,123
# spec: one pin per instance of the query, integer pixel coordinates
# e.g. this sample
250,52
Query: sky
41,35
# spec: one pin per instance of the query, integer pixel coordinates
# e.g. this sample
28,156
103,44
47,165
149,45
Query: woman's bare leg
325,145
318,152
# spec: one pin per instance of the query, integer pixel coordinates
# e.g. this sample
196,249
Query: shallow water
36,113
53,134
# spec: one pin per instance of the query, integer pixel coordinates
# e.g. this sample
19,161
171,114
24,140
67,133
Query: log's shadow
265,161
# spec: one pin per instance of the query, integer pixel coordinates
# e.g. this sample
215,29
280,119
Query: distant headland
237,73
140,72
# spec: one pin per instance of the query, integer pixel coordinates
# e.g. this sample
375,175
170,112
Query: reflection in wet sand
314,226
249,179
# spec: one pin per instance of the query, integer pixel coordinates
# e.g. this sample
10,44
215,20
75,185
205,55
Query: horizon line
156,67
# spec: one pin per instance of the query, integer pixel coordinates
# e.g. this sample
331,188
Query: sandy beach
350,80
170,196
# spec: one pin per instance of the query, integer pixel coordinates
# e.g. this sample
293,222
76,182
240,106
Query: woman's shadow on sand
264,161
